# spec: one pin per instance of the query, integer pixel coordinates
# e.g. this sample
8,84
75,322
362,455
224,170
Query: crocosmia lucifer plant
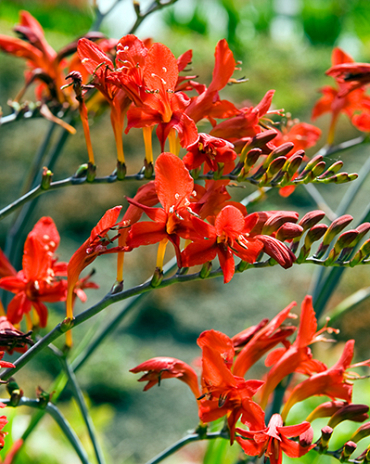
271,391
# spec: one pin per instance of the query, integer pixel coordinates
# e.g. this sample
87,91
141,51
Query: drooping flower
161,368
273,440
39,280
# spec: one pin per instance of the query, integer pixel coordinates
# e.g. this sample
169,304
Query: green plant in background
185,193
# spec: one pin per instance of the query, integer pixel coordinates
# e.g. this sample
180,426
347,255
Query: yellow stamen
2,311
121,256
160,253
35,318
147,133
69,305
174,146
85,125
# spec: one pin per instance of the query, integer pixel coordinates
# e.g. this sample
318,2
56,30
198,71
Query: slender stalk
155,6
184,441
60,420
84,411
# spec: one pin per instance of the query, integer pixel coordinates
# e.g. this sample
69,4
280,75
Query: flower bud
157,277
310,219
362,253
348,449
333,169
319,168
325,410
362,432
81,171
352,412
14,391
121,170
289,231
117,287
148,169
310,166
326,433
47,176
91,172
294,163
305,439
275,166
281,150
336,227
276,220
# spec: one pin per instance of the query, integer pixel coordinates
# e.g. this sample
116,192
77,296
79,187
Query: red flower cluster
225,392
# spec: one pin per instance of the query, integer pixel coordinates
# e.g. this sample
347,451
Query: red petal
198,253
307,325
146,233
91,55
230,220
161,69
46,232
106,222
227,263
224,66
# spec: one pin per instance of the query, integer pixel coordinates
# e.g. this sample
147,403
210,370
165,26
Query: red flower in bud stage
225,393
228,237
207,104
161,368
246,122
263,340
174,185
331,382
94,246
161,104
346,99
295,358
211,151
273,440
38,281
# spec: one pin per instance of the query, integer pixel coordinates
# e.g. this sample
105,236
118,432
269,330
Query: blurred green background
284,45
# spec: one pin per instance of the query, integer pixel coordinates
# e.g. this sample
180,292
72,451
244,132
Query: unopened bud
261,139
148,169
333,169
362,432
275,221
14,391
326,433
281,150
314,234
305,439
294,163
252,157
310,219
348,449
47,176
157,277
91,172
362,253
206,270
289,231
325,410
276,165
117,287
66,324
336,227
319,168
352,412
81,171
43,397
310,166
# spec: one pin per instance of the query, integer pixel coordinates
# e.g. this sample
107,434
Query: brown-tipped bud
346,240
294,163
310,166
261,139
281,150
66,324
325,410
352,412
289,231
121,170
362,253
157,278
319,168
315,234
362,230
362,432
206,270
275,221
14,391
91,172
148,169
47,176
117,287
333,169
336,227
326,433
349,448
136,5
252,157
275,166
305,439
310,219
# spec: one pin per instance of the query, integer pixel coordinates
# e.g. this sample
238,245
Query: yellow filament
174,146
120,262
161,251
69,314
187,242
29,324
85,125
35,318
2,311
147,133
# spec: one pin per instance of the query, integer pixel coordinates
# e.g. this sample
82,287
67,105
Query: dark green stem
155,6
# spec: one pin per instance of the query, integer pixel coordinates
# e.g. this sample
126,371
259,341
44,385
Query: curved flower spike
167,368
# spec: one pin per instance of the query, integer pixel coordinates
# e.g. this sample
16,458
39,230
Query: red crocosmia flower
246,122
209,200
297,357
273,440
161,104
352,75
3,422
347,99
82,284
331,382
173,185
225,393
263,341
211,151
208,104
161,368
94,246
228,237
38,281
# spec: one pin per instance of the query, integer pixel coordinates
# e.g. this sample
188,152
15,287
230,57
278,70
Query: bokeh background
284,45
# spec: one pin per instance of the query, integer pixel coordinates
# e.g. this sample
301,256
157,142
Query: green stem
184,441
155,6
60,420
84,411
